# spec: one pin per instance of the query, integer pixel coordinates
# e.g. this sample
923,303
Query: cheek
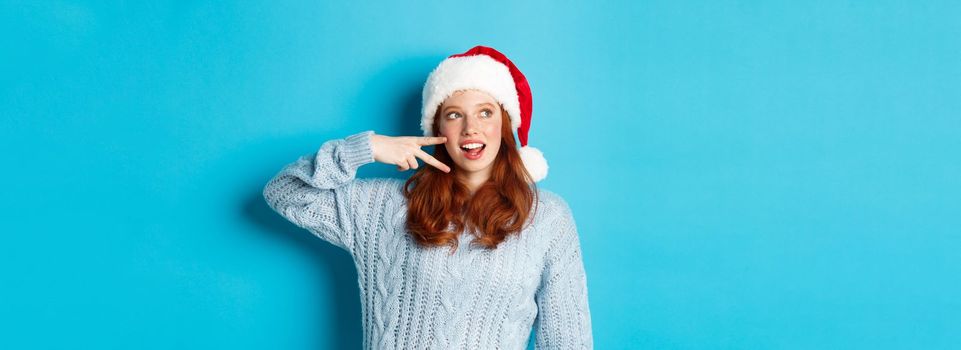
493,128
442,131
494,145
446,129
493,132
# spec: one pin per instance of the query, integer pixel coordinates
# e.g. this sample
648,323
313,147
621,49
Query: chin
473,165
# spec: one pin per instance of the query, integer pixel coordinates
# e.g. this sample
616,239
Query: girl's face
471,118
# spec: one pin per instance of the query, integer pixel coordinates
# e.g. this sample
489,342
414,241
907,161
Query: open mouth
473,151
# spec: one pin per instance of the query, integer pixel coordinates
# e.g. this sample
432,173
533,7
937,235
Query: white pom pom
534,162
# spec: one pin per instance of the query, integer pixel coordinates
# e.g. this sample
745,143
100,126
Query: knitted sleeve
318,192
563,316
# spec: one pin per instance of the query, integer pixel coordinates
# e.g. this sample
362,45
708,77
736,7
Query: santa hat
483,68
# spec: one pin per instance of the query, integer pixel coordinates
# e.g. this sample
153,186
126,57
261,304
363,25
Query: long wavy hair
440,206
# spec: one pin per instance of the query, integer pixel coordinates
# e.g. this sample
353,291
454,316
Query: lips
474,153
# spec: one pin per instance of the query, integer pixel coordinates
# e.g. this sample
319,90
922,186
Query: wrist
359,149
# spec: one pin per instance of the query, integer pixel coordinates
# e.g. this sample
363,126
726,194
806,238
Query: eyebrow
477,105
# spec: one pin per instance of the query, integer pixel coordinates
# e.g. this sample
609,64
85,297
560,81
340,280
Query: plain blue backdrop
745,175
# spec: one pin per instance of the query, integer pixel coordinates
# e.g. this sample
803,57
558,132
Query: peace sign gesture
403,151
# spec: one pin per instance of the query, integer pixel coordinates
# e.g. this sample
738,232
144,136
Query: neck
474,180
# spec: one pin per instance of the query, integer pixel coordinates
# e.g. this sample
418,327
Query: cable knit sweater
423,298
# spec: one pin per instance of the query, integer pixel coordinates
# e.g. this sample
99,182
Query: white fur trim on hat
534,162
479,72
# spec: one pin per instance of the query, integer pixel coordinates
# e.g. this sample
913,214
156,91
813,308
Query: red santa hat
485,69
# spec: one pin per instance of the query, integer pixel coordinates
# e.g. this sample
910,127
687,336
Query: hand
403,151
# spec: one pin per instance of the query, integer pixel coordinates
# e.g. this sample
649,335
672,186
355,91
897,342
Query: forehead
469,97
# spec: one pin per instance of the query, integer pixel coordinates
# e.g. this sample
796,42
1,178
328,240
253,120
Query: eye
452,115
488,114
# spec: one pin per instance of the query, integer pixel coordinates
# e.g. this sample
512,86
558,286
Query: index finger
432,161
429,140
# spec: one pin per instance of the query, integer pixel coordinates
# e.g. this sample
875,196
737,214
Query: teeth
472,145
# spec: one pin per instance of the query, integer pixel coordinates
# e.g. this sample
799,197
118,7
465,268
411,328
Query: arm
318,192
563,316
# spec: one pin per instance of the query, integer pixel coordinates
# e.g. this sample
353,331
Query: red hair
440,207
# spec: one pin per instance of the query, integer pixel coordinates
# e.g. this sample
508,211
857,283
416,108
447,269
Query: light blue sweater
422,298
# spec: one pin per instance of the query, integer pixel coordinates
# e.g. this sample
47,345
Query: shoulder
550,198
552,208
556,230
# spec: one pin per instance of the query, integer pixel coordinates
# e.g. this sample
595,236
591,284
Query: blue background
747,175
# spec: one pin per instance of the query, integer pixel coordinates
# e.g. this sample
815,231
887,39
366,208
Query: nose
471,125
